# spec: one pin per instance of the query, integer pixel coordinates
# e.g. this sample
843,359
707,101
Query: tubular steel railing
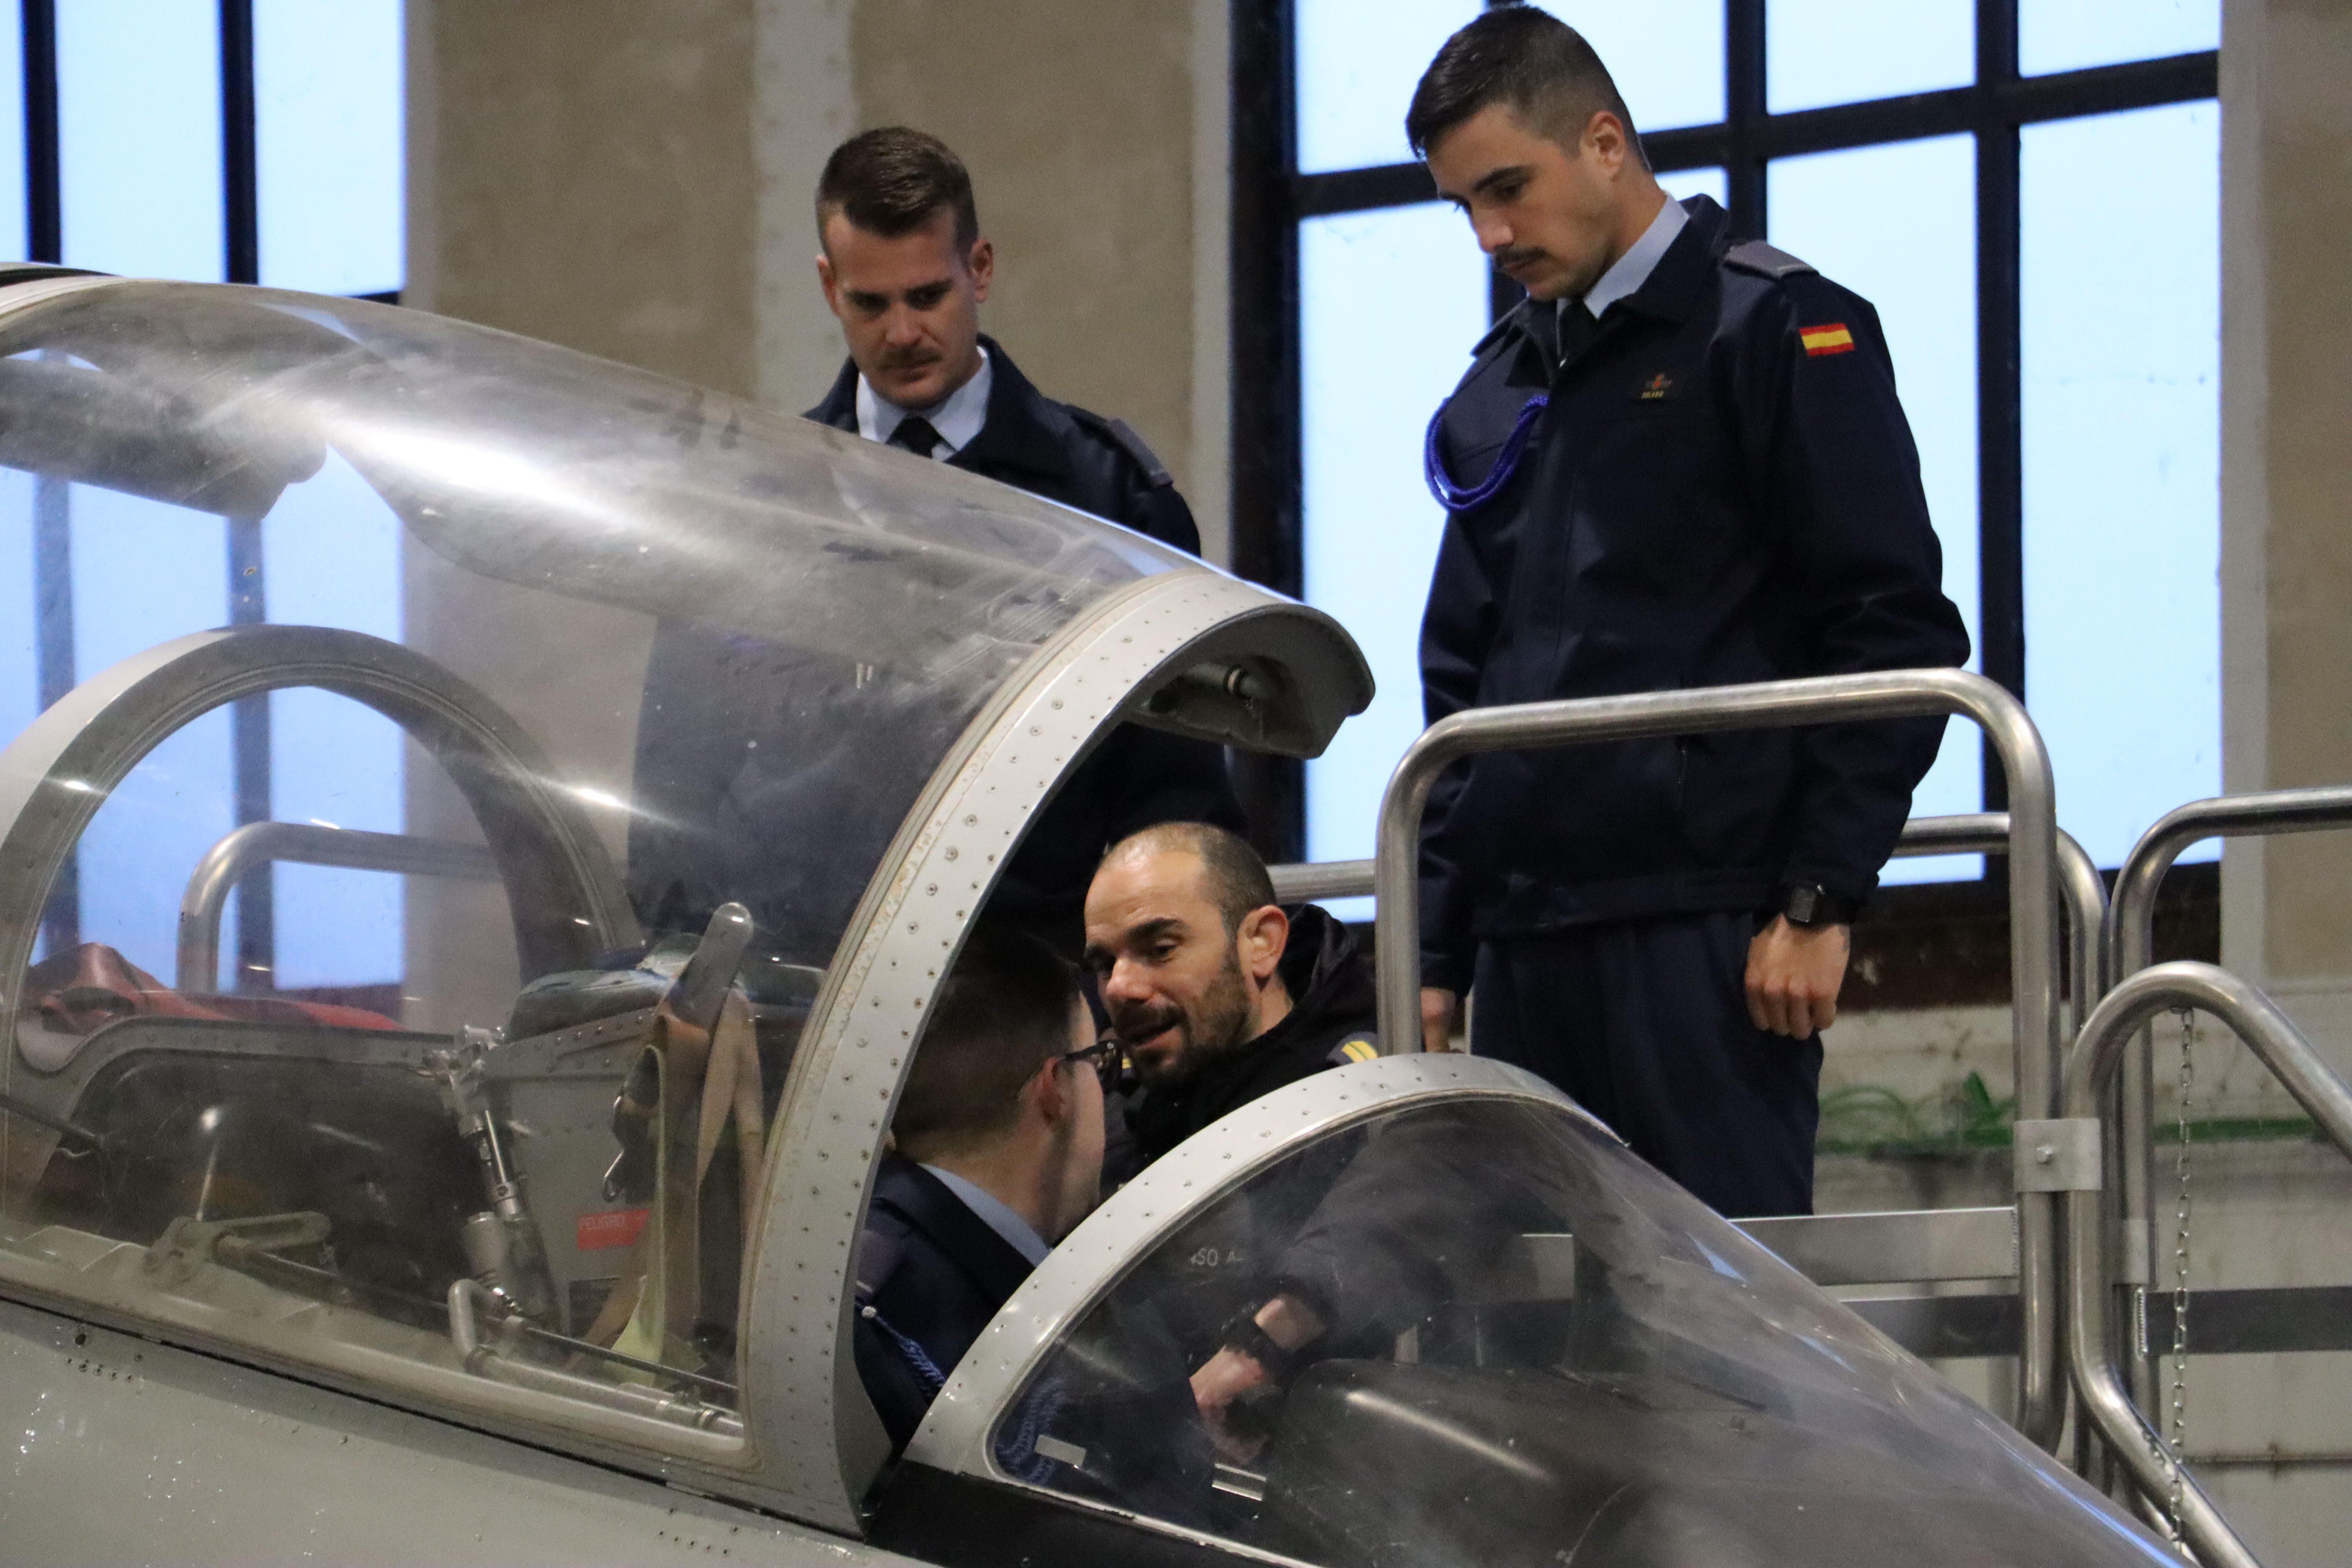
309,844
2090,1070
2129,945
1973,833
2034,883
1311,880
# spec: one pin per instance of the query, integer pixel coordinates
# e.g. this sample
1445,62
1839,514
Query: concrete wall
582,170
2287,482
2287,469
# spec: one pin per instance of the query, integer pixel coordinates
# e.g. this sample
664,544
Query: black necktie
1576,329
917,435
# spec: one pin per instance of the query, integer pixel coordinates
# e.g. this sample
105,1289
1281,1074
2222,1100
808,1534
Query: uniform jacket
736,801
931,1274
1136,777
1722,489
1331,1021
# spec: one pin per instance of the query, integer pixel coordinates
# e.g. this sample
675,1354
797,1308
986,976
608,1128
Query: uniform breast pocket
1659,491
1663,411
1661,449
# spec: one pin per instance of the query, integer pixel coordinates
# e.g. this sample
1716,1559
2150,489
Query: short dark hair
1002,1012
1235,874
893,180
1527,60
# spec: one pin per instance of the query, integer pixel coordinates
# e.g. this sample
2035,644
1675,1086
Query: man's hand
1224,1378
1230,1374
1794,973
1436,1019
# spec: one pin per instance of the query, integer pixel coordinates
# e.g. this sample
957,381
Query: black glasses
1105,1056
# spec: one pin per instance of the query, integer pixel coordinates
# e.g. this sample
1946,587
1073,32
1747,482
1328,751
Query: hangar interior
2111,274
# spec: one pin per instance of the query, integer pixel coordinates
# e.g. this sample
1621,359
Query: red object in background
612,1228
85,987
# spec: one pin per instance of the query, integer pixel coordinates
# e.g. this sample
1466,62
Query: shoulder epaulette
1765,260
1355,1049
1155,472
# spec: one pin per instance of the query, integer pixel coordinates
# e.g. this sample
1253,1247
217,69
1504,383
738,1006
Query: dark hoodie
1330,1022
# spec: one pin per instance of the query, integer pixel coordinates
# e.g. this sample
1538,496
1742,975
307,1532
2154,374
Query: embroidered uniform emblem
1833,338
1656,387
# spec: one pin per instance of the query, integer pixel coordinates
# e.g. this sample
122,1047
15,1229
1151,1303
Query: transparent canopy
444,771
1533,1349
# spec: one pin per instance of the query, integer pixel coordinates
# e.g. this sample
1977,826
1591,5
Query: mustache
910,359
1516,256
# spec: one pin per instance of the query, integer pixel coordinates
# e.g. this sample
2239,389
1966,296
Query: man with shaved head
1218,994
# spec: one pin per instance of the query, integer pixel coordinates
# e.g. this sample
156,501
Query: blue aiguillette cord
1456,497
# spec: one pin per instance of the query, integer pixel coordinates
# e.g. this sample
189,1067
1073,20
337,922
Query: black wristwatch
1244,1333
1809,904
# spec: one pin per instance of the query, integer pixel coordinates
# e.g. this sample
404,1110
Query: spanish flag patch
1833,338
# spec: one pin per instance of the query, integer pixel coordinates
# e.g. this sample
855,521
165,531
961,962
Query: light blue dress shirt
957,417
1633,269
992,1209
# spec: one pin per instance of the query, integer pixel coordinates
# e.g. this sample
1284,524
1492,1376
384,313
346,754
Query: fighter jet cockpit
483,828
1527,1347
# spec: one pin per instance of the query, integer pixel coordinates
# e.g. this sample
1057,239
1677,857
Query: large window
219,140
1977,168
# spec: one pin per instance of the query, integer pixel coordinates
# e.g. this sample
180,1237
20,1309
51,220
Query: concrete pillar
2275,1214
582,170
1078,122
2287,470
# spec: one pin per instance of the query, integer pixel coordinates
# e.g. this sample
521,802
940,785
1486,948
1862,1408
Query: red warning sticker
614,1227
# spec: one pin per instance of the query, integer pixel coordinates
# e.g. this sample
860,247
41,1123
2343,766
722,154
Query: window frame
255,958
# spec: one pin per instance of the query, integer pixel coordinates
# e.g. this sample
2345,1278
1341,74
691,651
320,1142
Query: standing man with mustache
905,269
731,804
1680,462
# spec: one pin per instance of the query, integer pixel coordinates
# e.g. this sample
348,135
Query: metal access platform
2073,1249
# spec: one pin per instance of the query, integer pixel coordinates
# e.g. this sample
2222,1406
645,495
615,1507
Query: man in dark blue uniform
998,1153
905,269
1679,463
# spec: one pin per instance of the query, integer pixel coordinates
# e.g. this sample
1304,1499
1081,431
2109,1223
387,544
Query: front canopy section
1524,1347
446,770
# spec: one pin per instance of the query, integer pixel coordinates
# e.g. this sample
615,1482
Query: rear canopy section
461,794
1533,1349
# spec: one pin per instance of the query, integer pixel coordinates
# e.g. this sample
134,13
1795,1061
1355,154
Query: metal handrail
565,898
2082,891
224,865
1971,833
2256,1020
2129,945
1306,880
2130,938
1896,694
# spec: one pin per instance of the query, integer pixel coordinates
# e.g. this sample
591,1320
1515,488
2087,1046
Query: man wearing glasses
998,1154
